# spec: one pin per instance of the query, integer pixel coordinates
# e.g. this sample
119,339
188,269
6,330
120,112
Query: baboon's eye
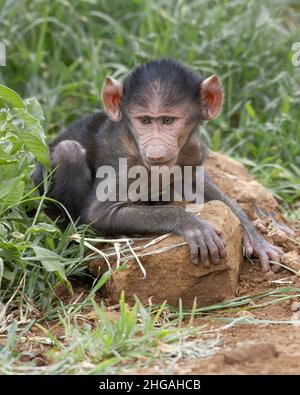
145,120
168,120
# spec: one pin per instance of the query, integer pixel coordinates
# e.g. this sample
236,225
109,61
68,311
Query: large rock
169,273
235,181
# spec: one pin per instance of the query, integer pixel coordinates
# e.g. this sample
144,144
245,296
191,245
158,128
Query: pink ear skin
211,98
111,95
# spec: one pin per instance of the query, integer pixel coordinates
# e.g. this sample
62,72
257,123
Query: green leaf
11,190
250,110
16,193
7,187
104,278
42,227
34,143
34,108
4,156
30,133
12,97
1,270
8,275
51,261
3,231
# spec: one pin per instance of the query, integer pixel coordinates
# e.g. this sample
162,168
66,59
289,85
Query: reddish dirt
250,348
256,349
243,348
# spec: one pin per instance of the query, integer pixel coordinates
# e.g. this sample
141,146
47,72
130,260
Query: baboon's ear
211,94
111,95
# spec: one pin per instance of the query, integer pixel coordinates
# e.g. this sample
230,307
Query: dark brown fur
137,127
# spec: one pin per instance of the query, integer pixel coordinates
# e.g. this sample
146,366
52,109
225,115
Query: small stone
270,276
296,318
245,313
250,352
40,361
295,306
292,260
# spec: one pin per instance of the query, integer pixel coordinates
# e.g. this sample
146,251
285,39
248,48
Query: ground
246,348
236,348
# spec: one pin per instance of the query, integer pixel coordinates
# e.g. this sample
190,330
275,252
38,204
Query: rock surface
236,182
170,275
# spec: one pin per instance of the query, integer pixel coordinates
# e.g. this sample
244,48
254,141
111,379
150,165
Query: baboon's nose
156,154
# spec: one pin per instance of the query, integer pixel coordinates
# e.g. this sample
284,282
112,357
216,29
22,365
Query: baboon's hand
204,242
257,246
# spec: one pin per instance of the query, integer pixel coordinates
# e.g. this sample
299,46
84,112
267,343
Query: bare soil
243,348
258,348
250,348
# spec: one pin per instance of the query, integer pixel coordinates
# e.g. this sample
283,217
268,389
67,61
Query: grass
59,53
108,341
